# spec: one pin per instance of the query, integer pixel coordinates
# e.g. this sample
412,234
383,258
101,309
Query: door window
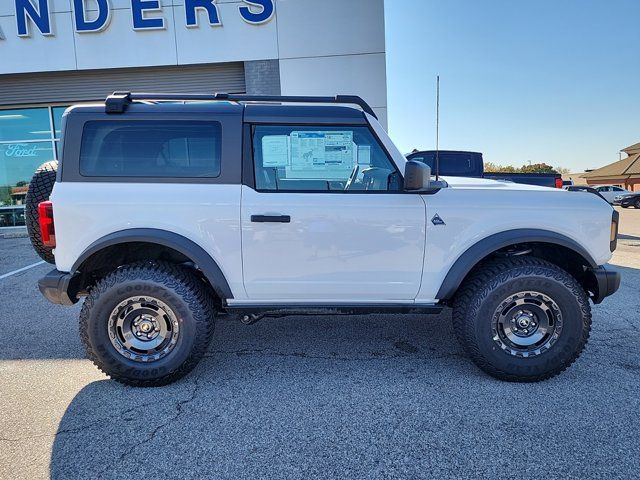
321,159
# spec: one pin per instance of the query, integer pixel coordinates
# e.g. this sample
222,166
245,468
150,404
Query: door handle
271,218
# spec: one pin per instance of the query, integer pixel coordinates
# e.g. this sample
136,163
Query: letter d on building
99,23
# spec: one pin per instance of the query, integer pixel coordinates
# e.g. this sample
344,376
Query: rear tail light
558,182
47,229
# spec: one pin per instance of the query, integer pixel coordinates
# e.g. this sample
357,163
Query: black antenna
437,126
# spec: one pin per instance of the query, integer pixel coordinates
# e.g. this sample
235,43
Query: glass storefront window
18,161
28,138
57,120
25,124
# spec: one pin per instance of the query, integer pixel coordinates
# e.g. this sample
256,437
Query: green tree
537,168
5,195
494,167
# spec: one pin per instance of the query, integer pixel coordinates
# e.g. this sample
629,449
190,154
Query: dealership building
54,53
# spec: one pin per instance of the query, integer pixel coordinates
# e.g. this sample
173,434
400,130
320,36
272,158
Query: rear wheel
39,190
522,319
637,203
148,324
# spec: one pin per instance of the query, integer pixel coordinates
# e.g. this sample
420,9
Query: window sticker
364,154
324,155
275,151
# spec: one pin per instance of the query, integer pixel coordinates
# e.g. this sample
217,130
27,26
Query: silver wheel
526,324
143,329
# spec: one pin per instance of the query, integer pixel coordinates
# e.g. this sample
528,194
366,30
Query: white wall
325,47
334,47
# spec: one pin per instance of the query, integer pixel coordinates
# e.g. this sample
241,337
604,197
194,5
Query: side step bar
341,309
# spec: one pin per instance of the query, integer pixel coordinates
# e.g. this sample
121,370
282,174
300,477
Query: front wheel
522,319
637,204
148,324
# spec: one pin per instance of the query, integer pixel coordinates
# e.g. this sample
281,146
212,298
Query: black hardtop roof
256,109
118,102
253,112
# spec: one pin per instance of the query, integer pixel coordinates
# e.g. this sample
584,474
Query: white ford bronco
167,211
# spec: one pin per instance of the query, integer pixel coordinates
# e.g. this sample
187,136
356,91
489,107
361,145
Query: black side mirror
417,176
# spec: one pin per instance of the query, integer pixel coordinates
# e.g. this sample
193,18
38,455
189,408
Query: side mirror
417,176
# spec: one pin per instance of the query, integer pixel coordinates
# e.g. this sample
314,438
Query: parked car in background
454,163
552,180
610,192
626,201
583,188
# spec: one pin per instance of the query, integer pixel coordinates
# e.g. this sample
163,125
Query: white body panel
209,215
338,247
476,209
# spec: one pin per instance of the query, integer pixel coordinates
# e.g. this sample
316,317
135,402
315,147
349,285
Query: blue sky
540,80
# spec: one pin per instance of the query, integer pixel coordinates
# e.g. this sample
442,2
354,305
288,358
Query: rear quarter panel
207,214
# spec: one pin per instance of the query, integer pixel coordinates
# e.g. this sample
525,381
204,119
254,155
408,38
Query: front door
327,220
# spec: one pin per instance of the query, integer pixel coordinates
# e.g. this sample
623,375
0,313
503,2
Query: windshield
456,164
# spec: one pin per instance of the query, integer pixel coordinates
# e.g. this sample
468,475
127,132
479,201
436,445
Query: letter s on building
257,18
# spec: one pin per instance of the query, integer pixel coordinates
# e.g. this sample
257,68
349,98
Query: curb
14,234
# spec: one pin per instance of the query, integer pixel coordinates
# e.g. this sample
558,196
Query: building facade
54,53
624,173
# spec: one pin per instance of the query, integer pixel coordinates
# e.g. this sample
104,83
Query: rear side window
150,148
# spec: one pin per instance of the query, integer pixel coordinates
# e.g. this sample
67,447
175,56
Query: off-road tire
483,292
39,191
178,288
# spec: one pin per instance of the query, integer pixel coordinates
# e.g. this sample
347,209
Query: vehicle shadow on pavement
269,382
365,396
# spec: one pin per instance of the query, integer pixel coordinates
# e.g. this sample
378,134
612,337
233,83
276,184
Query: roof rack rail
118,101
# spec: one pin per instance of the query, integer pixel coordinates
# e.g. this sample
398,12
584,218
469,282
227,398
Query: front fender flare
177,242
472,256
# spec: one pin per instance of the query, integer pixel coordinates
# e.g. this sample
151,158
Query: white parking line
21,269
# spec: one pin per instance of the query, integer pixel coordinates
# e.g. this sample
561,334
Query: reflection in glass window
25,124
57,120
12,216
18,162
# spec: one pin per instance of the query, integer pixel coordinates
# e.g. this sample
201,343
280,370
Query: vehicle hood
485,183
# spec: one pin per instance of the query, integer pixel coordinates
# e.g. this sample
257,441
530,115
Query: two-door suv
167,211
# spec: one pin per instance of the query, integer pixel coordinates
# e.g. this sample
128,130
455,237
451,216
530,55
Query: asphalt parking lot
308,397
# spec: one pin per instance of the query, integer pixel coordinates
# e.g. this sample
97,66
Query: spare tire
39,190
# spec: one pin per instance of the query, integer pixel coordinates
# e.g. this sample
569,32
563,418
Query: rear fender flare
183,245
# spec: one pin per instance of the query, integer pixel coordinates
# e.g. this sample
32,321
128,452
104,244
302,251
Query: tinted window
321,158
149,148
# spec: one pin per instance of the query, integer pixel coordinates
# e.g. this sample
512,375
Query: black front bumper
59,287
605,282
